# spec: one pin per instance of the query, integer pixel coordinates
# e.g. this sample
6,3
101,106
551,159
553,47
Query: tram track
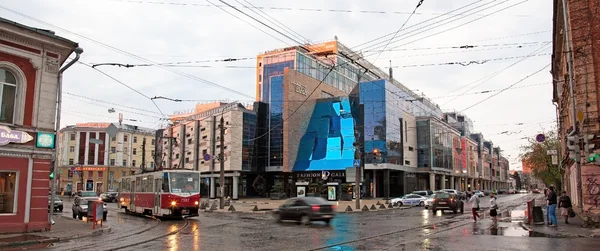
447,221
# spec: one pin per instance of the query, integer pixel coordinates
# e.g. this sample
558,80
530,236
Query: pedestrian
551,201
474,200
564,203
493,208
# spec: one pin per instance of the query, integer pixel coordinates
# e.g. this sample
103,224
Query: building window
112,162
125,138
134,139
113,149
8,94
189,141
125,150
71,162
100,174
90,174
134,151
187,160
72,135
133,163
124,162
152,153
72,149
410,148
153,141
113,139
8,192
152,165
123,174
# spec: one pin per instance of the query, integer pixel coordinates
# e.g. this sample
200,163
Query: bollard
214,206
255,208
382,206
373,207
231,209
390,205
365,208
378,203
348,209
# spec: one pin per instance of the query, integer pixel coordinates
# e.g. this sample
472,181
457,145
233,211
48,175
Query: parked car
536,191
424,193
80,208
512,191
305,210
410,200
58,204
109,197
522,191
447,201
429,201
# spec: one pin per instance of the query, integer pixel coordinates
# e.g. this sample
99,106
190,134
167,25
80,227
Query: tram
166,193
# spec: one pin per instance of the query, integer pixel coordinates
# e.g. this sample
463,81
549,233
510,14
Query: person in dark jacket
564,203
552,200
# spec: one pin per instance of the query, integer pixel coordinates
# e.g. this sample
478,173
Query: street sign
356,163
96,141
112,130
540,138
206,157
552,152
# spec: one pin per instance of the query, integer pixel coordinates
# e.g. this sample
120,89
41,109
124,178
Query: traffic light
52,175
376,156
573,146
589,147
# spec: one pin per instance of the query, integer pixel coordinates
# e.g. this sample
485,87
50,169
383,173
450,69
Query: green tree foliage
535,154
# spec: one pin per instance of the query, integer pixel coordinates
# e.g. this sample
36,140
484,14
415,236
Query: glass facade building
436,143
249,122
328,141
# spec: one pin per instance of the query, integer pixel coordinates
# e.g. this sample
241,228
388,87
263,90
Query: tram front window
185,182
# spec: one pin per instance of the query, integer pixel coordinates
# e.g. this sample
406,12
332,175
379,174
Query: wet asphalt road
408,229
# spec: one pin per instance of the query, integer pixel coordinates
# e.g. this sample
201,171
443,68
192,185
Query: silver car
429,201
80,208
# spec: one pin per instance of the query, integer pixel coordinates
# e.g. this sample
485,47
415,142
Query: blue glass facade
328,141
249,132
384,128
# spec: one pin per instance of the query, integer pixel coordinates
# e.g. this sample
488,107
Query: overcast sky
166,31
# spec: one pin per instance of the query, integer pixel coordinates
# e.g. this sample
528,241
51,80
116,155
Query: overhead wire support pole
573,109
222,163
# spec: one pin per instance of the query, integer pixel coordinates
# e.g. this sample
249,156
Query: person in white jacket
474,206
493,207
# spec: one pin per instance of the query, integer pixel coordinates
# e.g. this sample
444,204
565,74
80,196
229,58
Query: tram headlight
122,199
196,203
173,203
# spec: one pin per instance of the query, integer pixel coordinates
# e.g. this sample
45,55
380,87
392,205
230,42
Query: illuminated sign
93,125
83,168
9,136
44,140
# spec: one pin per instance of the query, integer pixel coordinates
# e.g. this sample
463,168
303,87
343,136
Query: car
453,191
522,191
479,193
109,197
410,200
536,191
305,210
447,201
429,201
80,208
423,193
512,191
58,204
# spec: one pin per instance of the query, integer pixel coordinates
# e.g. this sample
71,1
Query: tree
518,183
535,155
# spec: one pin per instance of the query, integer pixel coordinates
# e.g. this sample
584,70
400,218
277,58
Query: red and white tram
167,193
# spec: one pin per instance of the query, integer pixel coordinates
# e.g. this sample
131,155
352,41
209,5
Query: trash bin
538,215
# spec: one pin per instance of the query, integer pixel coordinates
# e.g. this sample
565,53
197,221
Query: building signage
322,174
9,136
80,168
93,125
44,140
298,88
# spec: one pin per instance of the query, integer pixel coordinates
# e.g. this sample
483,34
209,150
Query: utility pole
573,110
143,166
222,162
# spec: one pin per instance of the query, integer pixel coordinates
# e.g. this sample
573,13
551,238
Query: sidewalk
64,229
264,205
572,230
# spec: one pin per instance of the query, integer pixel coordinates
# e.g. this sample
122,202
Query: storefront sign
80,168
301,89
45,140
301,191
9,136
322,174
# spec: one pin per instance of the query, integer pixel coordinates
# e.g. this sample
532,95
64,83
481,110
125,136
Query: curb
55,239
558,235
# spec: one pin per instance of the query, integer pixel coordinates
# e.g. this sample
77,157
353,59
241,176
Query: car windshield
184,182
442,195
55,198
89,194
431,196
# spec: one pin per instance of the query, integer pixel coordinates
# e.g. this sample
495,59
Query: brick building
30,61
584,37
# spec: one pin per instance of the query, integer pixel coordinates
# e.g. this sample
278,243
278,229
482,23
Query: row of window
125,138
112,162
8,92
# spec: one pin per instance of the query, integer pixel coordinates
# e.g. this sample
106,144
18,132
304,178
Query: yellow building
91,160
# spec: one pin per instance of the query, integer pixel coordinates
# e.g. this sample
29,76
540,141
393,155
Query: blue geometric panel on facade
276,121
328,141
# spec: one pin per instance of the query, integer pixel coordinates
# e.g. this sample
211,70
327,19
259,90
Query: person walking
564,203
493,207
474,200
551,201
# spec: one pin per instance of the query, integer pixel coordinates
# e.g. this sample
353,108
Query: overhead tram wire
198,79
395,34
489,77
455,27
510,86
261,30
277,22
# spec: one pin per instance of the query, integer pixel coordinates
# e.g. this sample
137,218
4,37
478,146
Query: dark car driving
109,197
305,210
447,201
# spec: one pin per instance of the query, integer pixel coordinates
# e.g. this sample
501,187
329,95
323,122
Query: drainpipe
558,148
78,52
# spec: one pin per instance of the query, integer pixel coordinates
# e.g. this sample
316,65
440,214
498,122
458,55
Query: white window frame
15,199
20,87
